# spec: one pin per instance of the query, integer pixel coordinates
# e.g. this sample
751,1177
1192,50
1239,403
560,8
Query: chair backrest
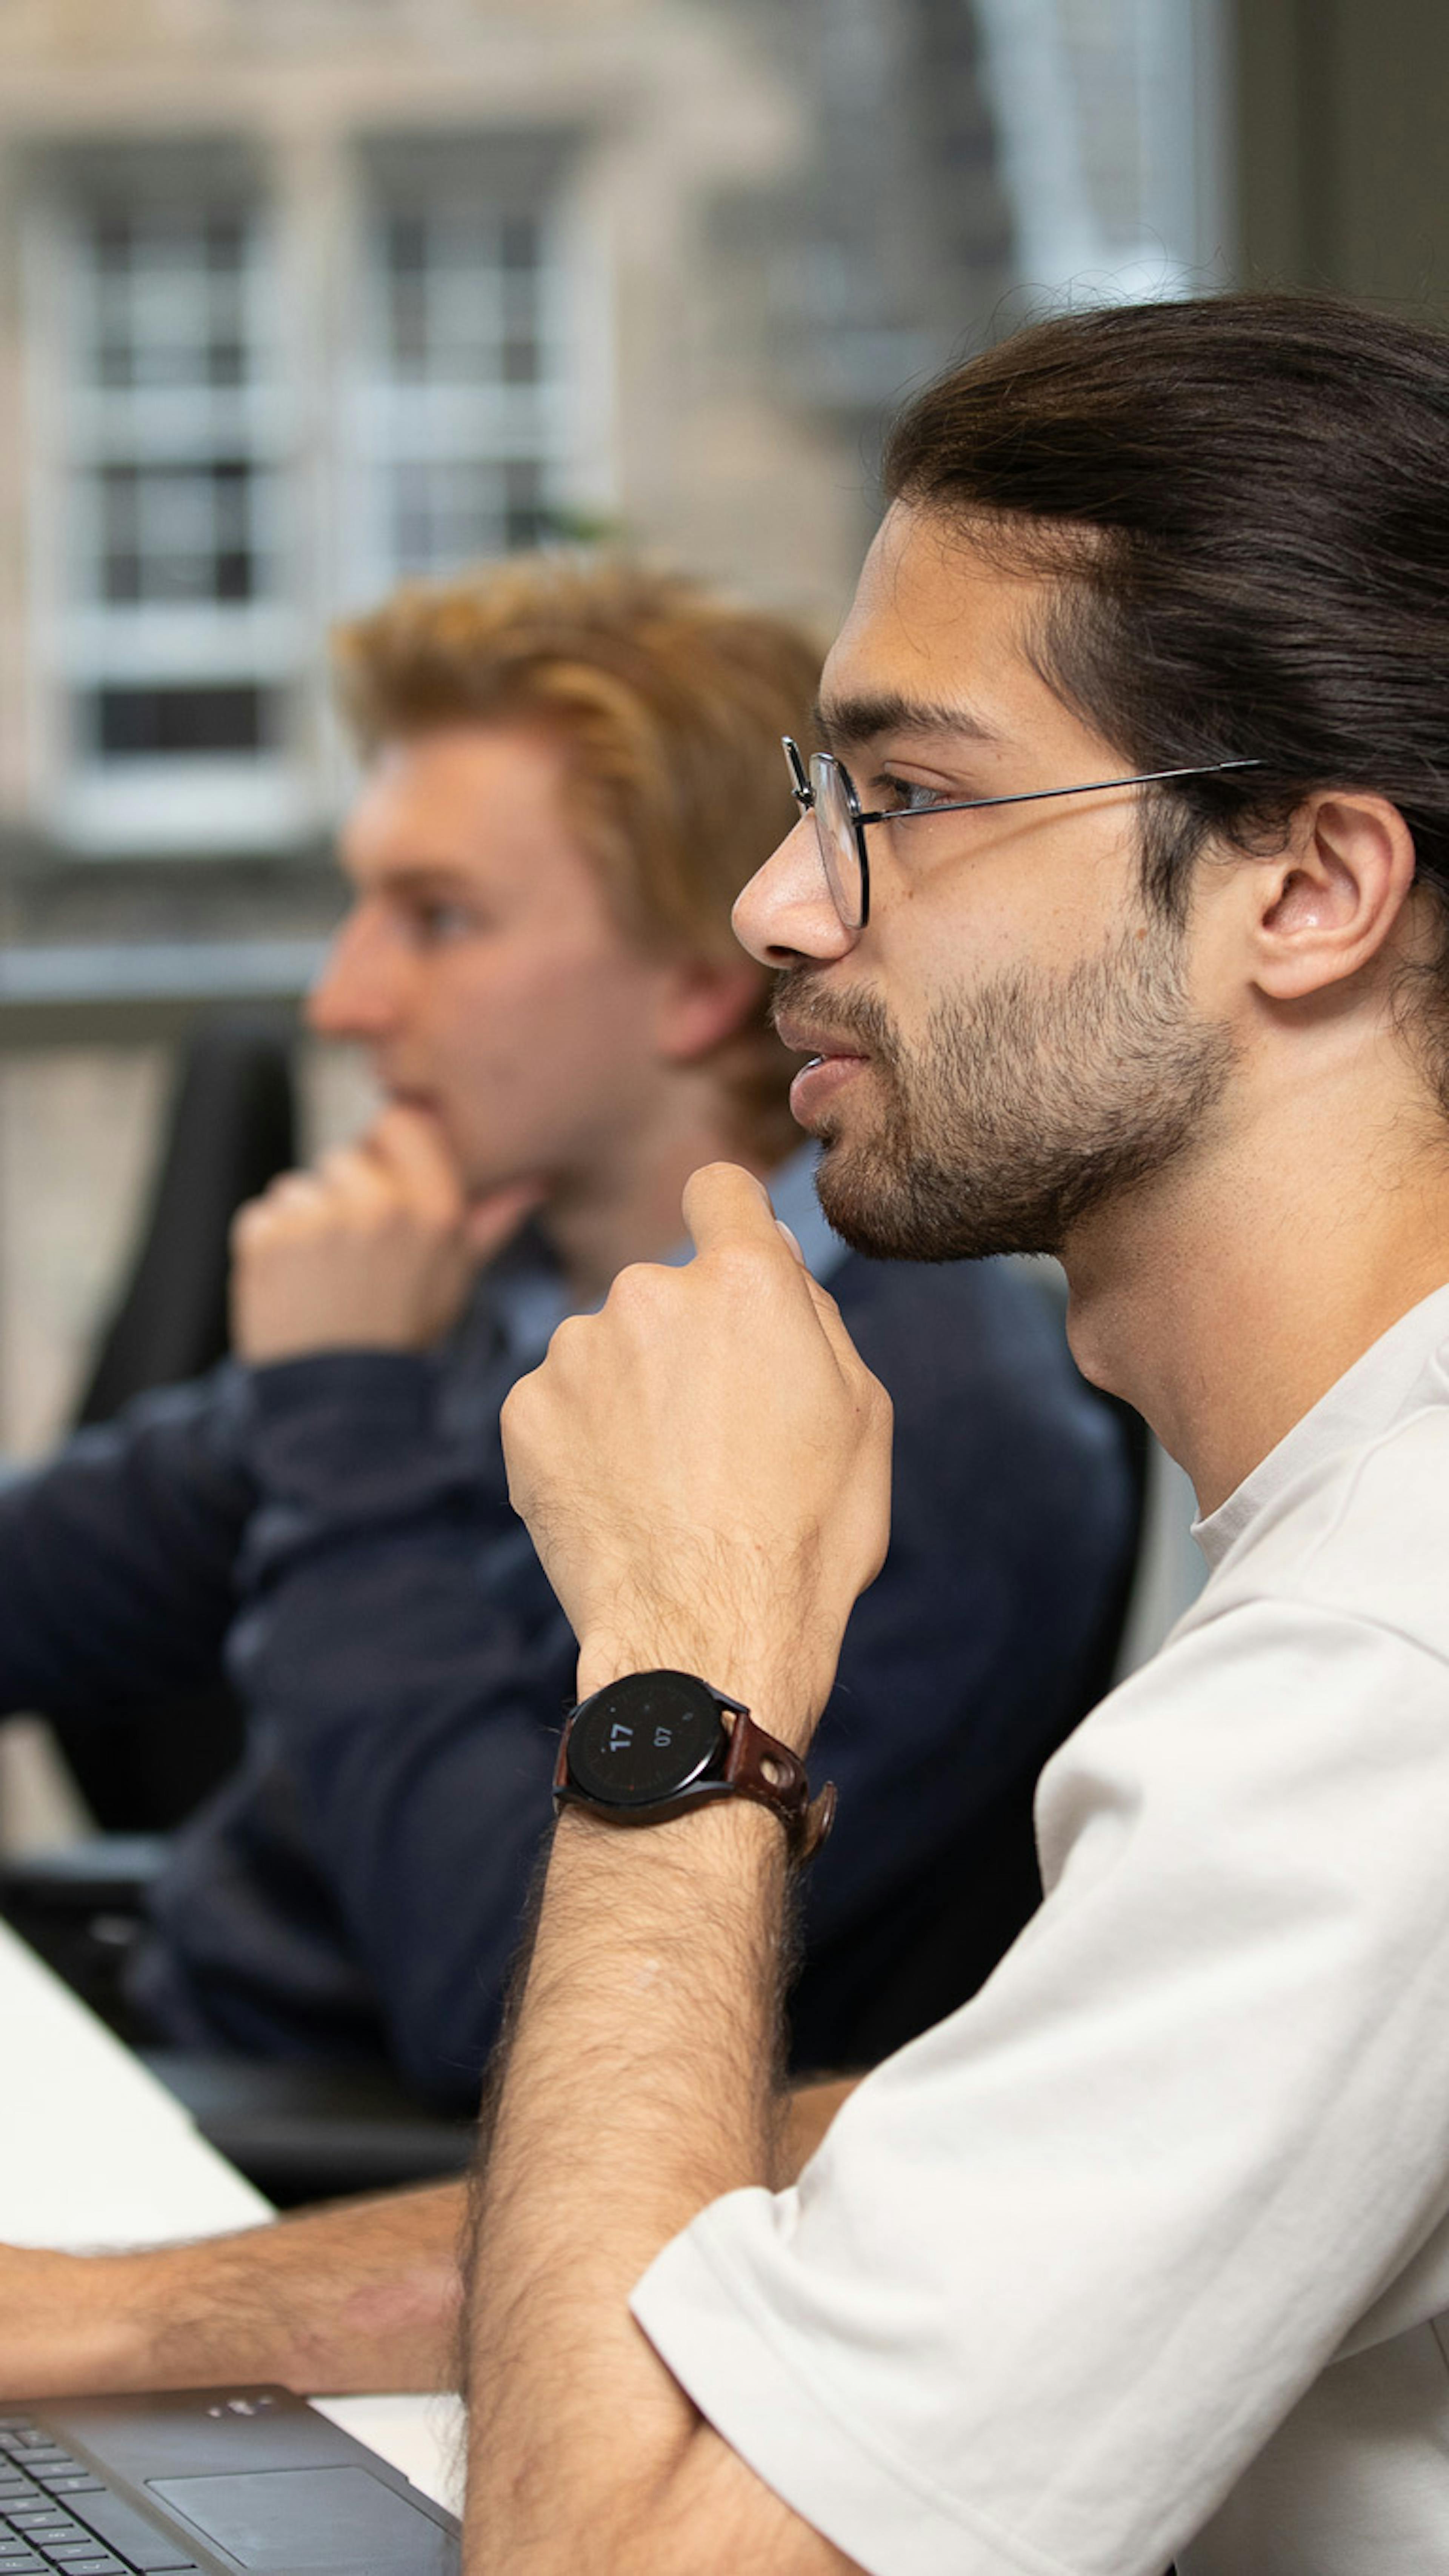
231,1127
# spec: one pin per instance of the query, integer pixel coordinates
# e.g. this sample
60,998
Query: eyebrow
422,876
848,723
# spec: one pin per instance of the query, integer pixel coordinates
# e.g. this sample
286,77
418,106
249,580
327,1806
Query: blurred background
299,296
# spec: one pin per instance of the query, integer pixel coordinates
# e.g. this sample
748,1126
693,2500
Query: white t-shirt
1151,2239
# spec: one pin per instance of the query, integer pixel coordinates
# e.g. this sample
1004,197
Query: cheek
556,1023
1029,904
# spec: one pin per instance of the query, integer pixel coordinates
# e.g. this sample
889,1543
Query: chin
895,1207
870,1205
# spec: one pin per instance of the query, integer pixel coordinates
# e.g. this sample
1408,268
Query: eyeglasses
827,790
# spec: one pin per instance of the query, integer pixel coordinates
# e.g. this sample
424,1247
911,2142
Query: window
174,635
1109,114
459,409
221,465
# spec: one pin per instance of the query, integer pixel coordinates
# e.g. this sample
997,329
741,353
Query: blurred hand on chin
375,1249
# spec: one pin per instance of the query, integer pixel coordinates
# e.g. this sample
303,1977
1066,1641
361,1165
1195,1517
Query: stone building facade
297,296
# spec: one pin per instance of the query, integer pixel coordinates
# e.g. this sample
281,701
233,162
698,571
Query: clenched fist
705,1466
374,1250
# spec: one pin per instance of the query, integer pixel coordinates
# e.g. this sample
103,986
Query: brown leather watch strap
759,1766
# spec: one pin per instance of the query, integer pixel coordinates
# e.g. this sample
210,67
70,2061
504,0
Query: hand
375,1250
705,1466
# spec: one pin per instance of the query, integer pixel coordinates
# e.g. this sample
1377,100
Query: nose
357,993
787,910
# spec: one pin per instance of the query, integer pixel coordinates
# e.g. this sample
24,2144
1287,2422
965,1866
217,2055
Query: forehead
481,802
935,622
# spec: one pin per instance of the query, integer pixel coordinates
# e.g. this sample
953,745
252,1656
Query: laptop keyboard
53,2509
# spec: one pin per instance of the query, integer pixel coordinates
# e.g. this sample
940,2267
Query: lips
820,1080
820,1045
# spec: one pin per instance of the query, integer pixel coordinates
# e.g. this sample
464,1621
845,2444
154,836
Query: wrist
774,1689
73,2322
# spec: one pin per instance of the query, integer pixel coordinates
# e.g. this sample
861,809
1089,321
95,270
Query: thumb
725,1204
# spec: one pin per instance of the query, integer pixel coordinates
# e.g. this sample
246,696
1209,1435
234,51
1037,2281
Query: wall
1343,175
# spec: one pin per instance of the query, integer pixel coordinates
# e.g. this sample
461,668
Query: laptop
204,2482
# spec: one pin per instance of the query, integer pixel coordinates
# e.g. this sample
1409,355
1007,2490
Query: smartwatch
653,1745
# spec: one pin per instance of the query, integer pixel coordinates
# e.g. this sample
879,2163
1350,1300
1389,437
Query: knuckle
254,1226
638,1290
740,1269
565,1342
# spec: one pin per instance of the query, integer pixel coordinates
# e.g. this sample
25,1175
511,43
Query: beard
1028,1105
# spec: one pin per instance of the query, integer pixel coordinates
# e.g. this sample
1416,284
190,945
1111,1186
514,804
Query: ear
1335,899
702,1002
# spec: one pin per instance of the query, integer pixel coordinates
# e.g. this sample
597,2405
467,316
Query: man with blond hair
570,769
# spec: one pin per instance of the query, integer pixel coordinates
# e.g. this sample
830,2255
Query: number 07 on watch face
644,1740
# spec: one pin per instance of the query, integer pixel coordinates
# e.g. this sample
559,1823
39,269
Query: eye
437,923
907,796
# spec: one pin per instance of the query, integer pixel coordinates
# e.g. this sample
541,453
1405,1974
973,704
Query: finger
353,1182
725,1204
410,1143
792,1238
290,1189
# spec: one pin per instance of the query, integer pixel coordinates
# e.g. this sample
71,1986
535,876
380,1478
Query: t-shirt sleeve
1062,2265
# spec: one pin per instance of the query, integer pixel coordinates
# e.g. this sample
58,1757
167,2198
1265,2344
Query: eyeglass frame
803,789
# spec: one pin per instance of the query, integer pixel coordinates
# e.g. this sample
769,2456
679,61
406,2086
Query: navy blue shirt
337,1528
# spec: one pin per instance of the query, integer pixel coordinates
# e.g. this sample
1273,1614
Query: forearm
639,2087
360,2295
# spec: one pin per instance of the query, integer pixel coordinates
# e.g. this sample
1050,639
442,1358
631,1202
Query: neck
626,1206
1226,1298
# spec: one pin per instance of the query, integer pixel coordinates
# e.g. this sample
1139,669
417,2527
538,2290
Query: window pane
446,512
166,298
166,723
178,533
525,519
464,360
457,289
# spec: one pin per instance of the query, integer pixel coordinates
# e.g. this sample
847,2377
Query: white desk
99,2154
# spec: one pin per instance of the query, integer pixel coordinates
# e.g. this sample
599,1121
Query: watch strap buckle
759,1766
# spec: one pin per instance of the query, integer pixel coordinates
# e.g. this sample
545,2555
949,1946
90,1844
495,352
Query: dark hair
1246,498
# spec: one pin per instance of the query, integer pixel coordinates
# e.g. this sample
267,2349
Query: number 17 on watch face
646,1739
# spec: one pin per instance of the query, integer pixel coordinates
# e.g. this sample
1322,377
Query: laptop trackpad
299,2519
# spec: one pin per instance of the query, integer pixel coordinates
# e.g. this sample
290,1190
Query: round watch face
644,1738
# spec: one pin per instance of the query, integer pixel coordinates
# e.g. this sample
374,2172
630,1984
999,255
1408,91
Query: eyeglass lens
836,832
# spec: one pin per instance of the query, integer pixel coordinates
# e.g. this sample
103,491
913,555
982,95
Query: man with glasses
571,768
1117,924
